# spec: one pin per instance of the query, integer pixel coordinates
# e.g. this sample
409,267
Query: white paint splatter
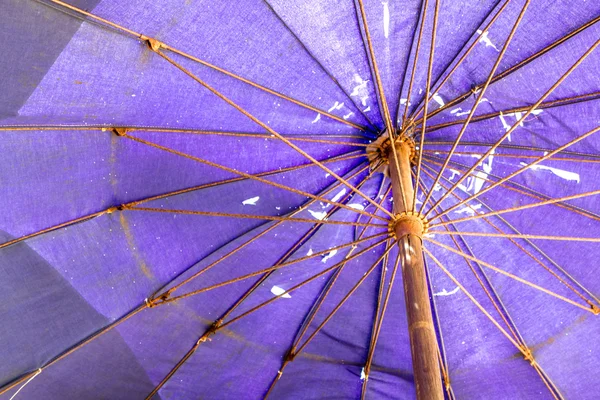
360,90
403,102
277,291
362,374
486,40
439,99
505,125
476,182
317,118
356,206
444,292
251,201
348,115
386,19
339,195
278,208
320,215
468,209
518,117
567,175
310,252
328,256
367,109
336,106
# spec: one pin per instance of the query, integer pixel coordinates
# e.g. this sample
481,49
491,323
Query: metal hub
378,151
408,223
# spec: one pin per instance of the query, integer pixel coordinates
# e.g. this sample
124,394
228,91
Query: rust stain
563,332
132,246
78,82
552,339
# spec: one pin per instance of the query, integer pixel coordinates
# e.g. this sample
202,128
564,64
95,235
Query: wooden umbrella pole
408,229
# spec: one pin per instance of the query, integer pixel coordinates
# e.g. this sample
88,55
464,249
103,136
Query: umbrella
299,199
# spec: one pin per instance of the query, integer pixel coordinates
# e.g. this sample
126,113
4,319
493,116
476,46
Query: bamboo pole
423,343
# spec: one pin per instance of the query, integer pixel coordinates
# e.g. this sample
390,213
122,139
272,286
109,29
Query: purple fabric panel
386,385
37,28
551,323
345,57
527,84
546,128
392,26
42,312
47,177
62,286
266,51
557,22
89,171
457,22
481,362
104,368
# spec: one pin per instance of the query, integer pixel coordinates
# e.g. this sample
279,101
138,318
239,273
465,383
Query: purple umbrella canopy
300,199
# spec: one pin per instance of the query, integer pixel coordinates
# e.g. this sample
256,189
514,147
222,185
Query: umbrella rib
269,269
520,64
506,155
427,91
385,196
464,56
265,89
399,114
519,208
99,333
440,343
525,351
526,191
267,128
477,101
381,95
475,302
320,274
522,236
414,67
52,228
241,178
567,101
164,195
529,111
513,147
495,227
308,204
344,299
218,325
293,138
252,216
254,177
489,295
512,276
313,312
371,52
378,320
329,74
519,171
72,349
218,322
